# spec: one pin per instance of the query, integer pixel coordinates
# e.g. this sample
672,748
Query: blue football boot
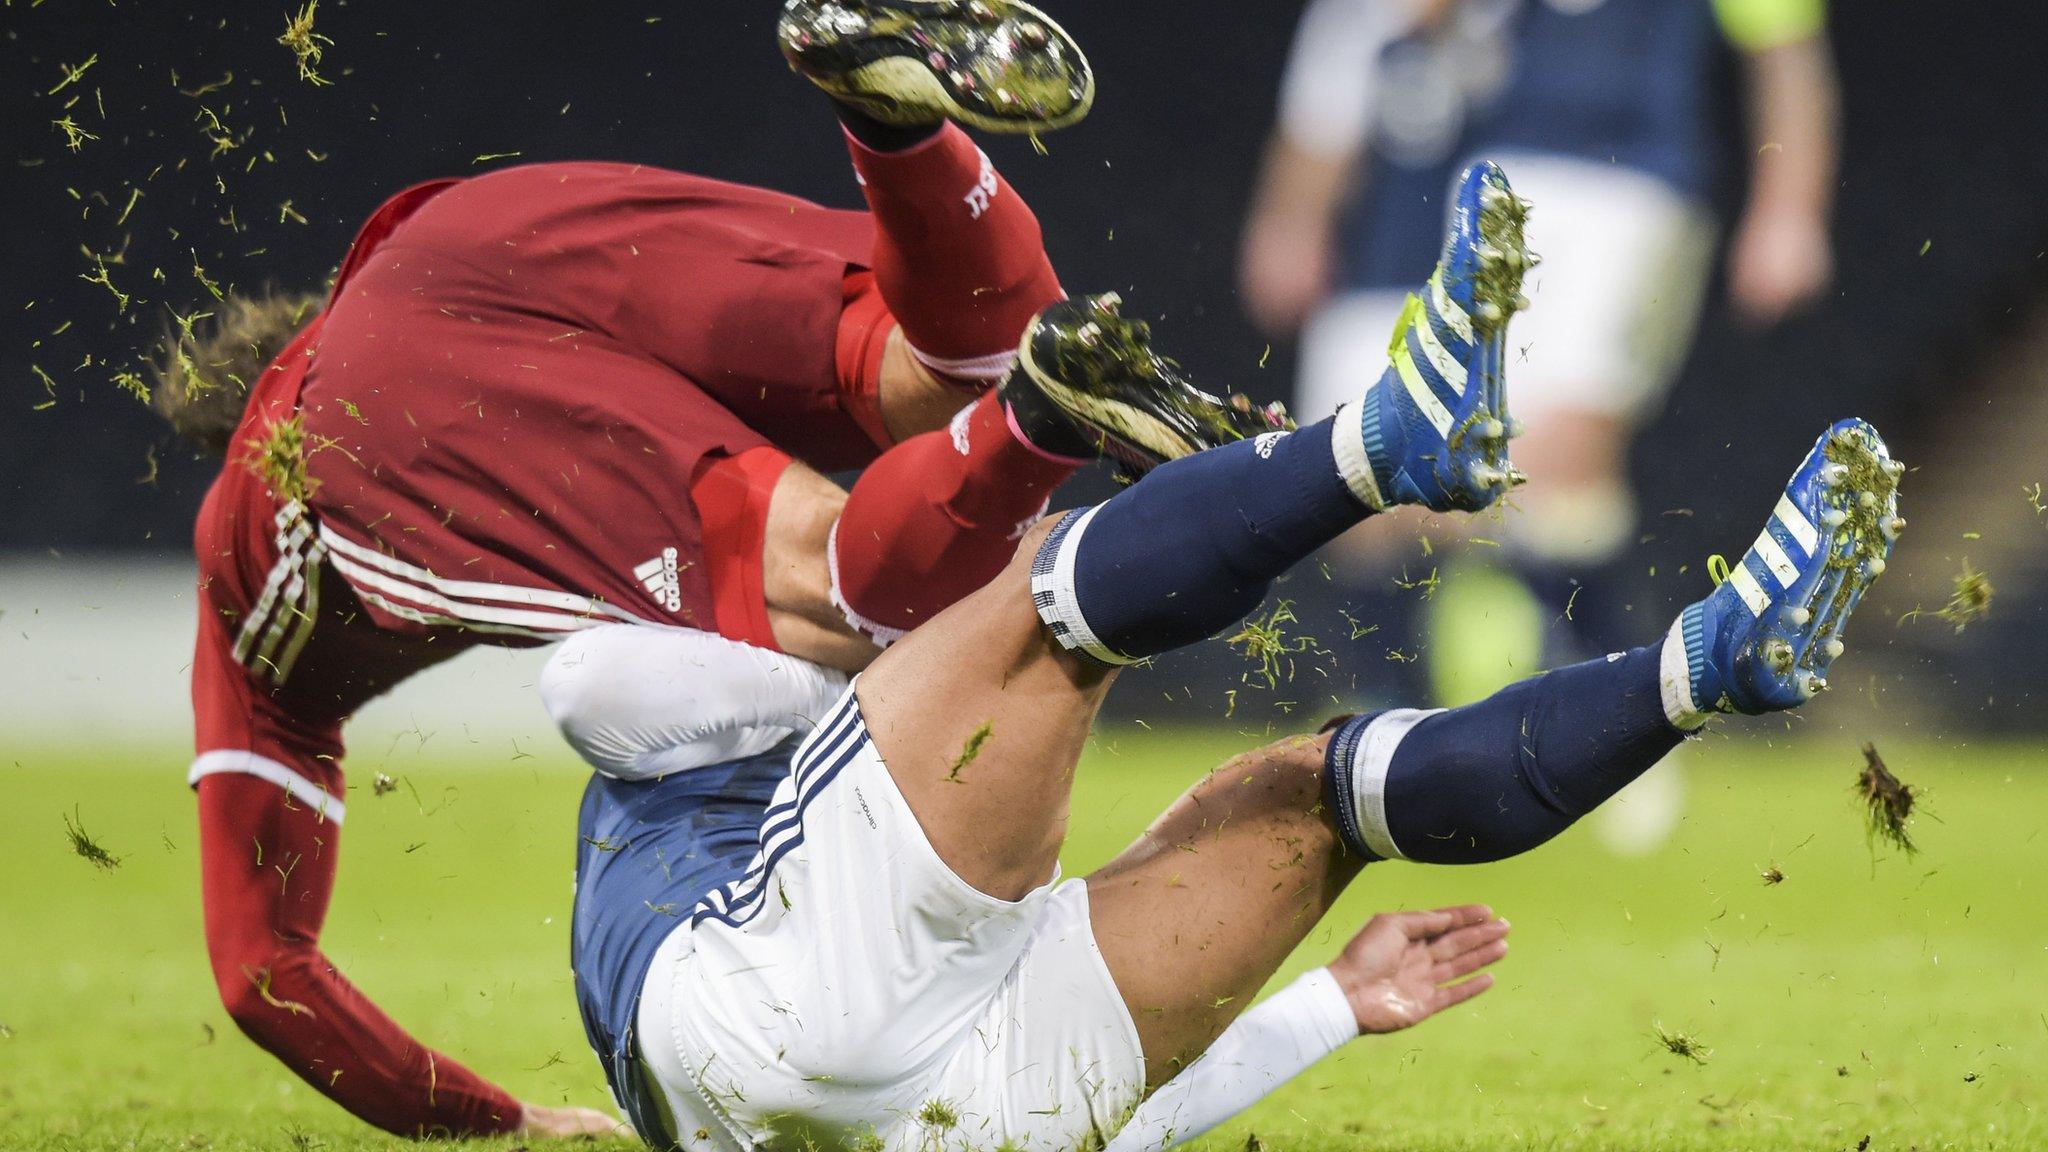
1764,639
1435,427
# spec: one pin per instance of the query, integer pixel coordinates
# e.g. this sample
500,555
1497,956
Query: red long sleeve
263,919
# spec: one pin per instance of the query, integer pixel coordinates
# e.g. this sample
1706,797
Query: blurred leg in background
1603,115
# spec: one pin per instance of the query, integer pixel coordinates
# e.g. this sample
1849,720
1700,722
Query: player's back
516,384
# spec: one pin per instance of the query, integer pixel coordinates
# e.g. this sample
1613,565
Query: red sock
267,863
958,254
937,517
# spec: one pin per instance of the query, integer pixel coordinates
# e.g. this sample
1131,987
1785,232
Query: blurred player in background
1604,111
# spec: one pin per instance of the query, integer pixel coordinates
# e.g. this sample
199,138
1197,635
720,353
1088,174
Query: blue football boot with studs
1764,640
1434,429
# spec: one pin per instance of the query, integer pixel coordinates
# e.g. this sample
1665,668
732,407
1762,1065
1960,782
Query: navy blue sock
1191,548
1497,778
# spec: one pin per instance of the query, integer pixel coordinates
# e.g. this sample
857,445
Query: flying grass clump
1683,1045
1971,599
1265,643
305,44
75,136
280,459
83,844
938,1116
1888,804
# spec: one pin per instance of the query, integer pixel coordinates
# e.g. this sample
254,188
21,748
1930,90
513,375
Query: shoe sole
905,89
1103,414
1504,258
1860,524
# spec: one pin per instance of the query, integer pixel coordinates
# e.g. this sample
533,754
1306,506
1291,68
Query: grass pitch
1899,999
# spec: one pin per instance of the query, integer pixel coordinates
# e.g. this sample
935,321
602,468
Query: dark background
1942,221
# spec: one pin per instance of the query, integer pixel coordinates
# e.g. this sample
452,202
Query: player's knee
1032,540
1016,575
1288,772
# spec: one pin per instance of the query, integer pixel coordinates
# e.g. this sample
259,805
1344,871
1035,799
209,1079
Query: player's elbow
637,703
261,989
580,687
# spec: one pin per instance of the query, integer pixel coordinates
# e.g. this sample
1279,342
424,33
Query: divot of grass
83,844
280,459
938,1115
306,45
1888,804
1265,643
1684,1045
1970,601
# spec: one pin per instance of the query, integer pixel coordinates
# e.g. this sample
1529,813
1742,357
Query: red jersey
515,384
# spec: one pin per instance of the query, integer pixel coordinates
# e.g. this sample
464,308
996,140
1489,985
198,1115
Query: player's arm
1400,970
640,703
1327,102
1781,256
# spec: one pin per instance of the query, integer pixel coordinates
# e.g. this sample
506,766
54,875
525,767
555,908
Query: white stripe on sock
989,369
1674,679
1066,603
1369,768
1347,443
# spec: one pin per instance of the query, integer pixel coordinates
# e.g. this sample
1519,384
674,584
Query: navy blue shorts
649,851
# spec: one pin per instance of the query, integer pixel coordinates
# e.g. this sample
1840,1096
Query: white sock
1347,443
1270,1044
1674,675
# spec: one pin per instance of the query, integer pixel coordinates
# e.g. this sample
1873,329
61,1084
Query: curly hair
203,367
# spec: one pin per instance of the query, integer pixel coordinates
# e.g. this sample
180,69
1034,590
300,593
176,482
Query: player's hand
1284,270
568,1123
1404,967
1778,262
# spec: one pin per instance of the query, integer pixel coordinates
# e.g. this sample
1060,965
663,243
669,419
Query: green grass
1901,999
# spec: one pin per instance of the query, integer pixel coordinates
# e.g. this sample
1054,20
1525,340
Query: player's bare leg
1271,838
796,576
981,719
1252,844
914,399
